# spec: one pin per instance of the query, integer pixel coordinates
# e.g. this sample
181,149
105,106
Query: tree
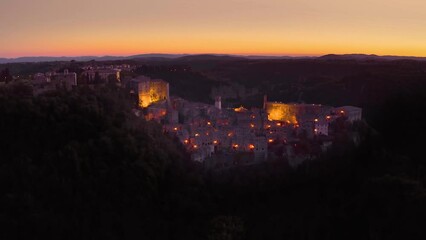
226,228
97,79
5,75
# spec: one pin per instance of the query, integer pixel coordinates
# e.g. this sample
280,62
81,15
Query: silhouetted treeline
5,75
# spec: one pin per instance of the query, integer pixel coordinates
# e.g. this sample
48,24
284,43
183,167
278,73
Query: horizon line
219,54
168,53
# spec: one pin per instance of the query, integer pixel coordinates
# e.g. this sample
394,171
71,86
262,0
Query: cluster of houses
220,137
51,80
43,82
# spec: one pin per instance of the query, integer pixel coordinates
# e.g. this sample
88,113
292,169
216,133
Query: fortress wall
281,112
152,91
292,113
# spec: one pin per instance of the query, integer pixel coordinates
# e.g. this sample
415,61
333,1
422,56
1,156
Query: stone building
150,90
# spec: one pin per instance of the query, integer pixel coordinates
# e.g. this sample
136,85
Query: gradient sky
272,27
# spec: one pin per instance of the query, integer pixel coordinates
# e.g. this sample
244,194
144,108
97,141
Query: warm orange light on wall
240,109
281,112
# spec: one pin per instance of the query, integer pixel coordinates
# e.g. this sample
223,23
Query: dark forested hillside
80,165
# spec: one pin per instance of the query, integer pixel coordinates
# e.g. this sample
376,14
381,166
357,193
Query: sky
248,27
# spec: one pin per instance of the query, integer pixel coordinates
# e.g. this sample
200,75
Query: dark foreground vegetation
80,165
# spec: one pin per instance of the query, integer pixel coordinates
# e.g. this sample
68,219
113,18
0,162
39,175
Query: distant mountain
57,59
235,57
204,57
149,57
260,57
364,57
88,58
156,55
210,57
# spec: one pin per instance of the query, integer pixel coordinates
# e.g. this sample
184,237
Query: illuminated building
292,113
240,109
150,90
281,112
156,113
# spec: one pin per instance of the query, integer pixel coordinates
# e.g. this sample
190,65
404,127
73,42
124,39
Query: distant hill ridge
368,57
196,57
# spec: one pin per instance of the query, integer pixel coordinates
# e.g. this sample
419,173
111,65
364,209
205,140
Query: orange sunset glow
261,27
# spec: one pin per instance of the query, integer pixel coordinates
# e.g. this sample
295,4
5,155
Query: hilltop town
215,136
224,137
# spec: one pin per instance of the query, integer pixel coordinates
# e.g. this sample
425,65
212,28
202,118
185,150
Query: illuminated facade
294,113
151,90
281,112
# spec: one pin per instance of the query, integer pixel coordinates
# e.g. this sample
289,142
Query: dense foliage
79,165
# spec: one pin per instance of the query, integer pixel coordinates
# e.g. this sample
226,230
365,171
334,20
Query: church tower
218,102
